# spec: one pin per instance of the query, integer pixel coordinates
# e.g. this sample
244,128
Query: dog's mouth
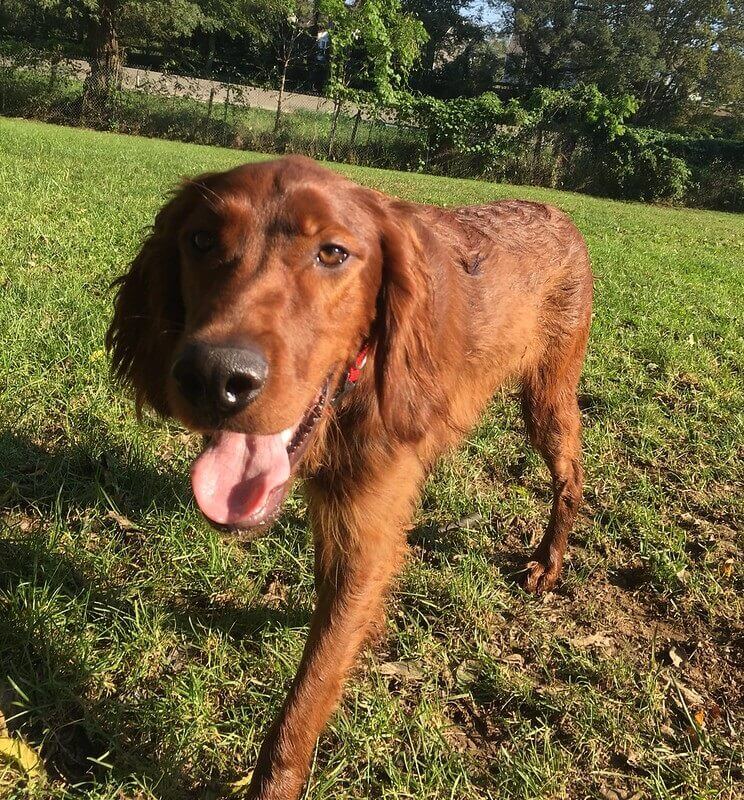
240,480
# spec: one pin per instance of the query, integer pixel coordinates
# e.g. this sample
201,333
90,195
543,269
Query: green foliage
583,132
578,139
673,55
583,111
644,170
374,45
137,21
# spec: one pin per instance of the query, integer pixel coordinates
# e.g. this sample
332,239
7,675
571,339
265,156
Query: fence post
224,115
354,130
210,102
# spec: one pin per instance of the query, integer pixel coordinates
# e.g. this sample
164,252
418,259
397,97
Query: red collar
353,372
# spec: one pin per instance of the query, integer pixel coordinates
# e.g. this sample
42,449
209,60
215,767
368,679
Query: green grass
143,654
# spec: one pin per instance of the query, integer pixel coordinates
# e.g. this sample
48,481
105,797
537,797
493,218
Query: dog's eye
331,255
203,241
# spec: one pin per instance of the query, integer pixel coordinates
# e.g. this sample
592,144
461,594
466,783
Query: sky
485,11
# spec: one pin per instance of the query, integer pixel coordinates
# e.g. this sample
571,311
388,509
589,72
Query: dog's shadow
74,483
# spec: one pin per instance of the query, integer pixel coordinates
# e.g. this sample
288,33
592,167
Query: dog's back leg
552,418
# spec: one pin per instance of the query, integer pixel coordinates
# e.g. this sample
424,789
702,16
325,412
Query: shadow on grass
59,703
72,479
48,655
508,554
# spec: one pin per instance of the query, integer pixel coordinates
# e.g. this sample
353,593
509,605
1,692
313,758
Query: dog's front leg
359,536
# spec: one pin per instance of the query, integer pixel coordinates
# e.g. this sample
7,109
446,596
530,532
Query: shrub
638,169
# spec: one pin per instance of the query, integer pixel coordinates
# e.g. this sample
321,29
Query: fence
158,104
459,138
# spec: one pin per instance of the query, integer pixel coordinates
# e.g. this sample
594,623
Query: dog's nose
222,379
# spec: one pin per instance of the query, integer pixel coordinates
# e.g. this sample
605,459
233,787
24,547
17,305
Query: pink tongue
234,476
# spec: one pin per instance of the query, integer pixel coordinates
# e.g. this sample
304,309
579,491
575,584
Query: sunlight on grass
143,655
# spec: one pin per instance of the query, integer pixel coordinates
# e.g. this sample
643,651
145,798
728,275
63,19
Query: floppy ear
148,313
405,370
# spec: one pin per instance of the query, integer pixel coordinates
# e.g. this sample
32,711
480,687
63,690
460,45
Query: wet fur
455,302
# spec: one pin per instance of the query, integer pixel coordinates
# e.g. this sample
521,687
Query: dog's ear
148,311
405,371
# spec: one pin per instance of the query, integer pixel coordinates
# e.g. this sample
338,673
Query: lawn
142,654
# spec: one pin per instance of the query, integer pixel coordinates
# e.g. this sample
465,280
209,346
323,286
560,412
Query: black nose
219,379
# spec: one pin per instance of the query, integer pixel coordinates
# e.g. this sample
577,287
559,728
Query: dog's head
244,309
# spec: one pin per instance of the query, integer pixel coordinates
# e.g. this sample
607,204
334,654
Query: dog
310,327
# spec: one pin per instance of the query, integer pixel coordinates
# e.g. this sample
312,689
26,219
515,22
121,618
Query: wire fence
649,165
208,111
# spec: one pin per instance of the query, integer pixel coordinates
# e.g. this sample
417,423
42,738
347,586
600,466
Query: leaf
240,786
514,659
598,639
471,522
123,522
466,672
676,656
403,670
687,695
19,753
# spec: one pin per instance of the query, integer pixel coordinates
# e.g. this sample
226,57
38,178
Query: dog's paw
542,575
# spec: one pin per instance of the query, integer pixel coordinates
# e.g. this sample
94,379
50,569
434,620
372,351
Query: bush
642,170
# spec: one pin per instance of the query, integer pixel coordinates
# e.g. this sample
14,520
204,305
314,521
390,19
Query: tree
546,32
231,19
476,68
374,45
288,23
107,27
458,43
104,55
660,50
722,87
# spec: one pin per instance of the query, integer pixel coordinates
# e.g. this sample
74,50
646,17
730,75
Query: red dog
248,315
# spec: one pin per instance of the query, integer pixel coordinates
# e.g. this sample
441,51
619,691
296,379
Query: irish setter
308,326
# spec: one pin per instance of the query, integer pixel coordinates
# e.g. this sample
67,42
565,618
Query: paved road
200,89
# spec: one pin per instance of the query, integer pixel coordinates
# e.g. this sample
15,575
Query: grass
143,654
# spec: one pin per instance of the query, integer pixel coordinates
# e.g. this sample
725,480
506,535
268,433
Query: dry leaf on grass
403,670
513,659
685,697
240,786
19,754
699,713
676,656
123,522
598,639
466,672
609,793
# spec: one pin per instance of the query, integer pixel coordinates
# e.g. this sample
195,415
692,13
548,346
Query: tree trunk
280,99
105,62
536,153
